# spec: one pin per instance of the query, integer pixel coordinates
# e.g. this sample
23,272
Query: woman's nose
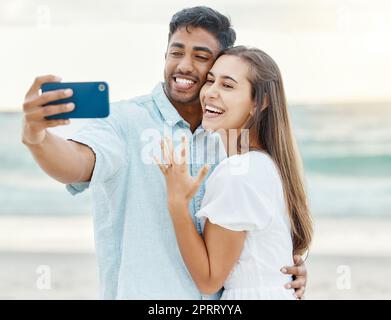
211,91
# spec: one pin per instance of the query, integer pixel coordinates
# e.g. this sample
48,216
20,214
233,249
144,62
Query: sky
329,51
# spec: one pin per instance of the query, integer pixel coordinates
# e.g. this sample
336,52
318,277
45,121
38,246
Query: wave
346,153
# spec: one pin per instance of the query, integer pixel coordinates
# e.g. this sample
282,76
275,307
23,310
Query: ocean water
346,151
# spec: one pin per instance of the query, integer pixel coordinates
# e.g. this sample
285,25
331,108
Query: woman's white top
245,193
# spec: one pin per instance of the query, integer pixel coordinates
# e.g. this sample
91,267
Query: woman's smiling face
226,96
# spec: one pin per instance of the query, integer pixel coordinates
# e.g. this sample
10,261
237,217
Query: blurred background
335,60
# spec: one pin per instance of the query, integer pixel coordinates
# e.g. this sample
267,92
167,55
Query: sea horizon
346,152
341,103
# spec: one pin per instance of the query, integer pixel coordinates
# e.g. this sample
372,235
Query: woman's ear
253,109
265,102
264,105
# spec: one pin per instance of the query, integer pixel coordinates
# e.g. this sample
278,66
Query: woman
256,218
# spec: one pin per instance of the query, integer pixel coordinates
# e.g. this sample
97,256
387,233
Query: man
137,252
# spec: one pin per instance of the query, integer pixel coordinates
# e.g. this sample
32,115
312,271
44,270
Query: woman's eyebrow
224,77
229,78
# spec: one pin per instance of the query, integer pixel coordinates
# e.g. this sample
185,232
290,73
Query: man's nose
185,66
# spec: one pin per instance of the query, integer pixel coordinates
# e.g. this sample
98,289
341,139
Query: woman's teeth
213,110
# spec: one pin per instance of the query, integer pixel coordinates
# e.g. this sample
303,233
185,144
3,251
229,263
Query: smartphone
91,99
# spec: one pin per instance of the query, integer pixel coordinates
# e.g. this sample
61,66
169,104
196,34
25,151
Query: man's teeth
214,109
184,81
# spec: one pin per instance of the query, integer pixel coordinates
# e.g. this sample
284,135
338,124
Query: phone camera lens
102,87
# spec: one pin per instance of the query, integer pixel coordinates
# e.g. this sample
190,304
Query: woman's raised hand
181,186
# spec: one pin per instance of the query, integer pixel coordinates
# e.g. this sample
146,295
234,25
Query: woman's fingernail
288,286
283,270
68,92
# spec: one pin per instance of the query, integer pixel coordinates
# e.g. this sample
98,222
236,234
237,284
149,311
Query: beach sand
350,258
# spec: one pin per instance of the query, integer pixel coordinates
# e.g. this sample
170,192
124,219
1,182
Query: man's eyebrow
203,49
177,44
197,48
224,77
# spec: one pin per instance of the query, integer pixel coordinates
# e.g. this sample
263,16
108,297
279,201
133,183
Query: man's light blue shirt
137,252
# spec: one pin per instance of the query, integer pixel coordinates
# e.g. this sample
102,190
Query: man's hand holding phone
50,103
60,101
35,123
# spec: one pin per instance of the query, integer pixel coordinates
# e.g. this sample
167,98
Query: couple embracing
181,229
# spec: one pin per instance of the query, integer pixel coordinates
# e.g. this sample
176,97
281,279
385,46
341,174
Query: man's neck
192,114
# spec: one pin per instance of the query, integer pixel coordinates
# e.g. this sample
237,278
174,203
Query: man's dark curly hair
208,19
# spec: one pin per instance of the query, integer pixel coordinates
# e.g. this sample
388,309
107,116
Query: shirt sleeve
105,139
234,203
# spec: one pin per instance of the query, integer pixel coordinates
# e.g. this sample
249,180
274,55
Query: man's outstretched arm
65,161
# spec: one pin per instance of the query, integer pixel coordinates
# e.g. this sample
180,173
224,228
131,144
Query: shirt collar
168,111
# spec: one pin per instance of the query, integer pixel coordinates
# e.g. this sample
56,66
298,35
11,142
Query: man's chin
183,98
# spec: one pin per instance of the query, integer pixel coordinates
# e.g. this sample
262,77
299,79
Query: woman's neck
239,141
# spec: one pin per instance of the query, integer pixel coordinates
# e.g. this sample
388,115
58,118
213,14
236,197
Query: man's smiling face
189,57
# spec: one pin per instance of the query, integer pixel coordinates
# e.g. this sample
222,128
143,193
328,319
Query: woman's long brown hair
271,126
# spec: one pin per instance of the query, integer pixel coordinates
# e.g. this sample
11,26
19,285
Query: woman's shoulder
228,168
253,164
263,162
239,192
